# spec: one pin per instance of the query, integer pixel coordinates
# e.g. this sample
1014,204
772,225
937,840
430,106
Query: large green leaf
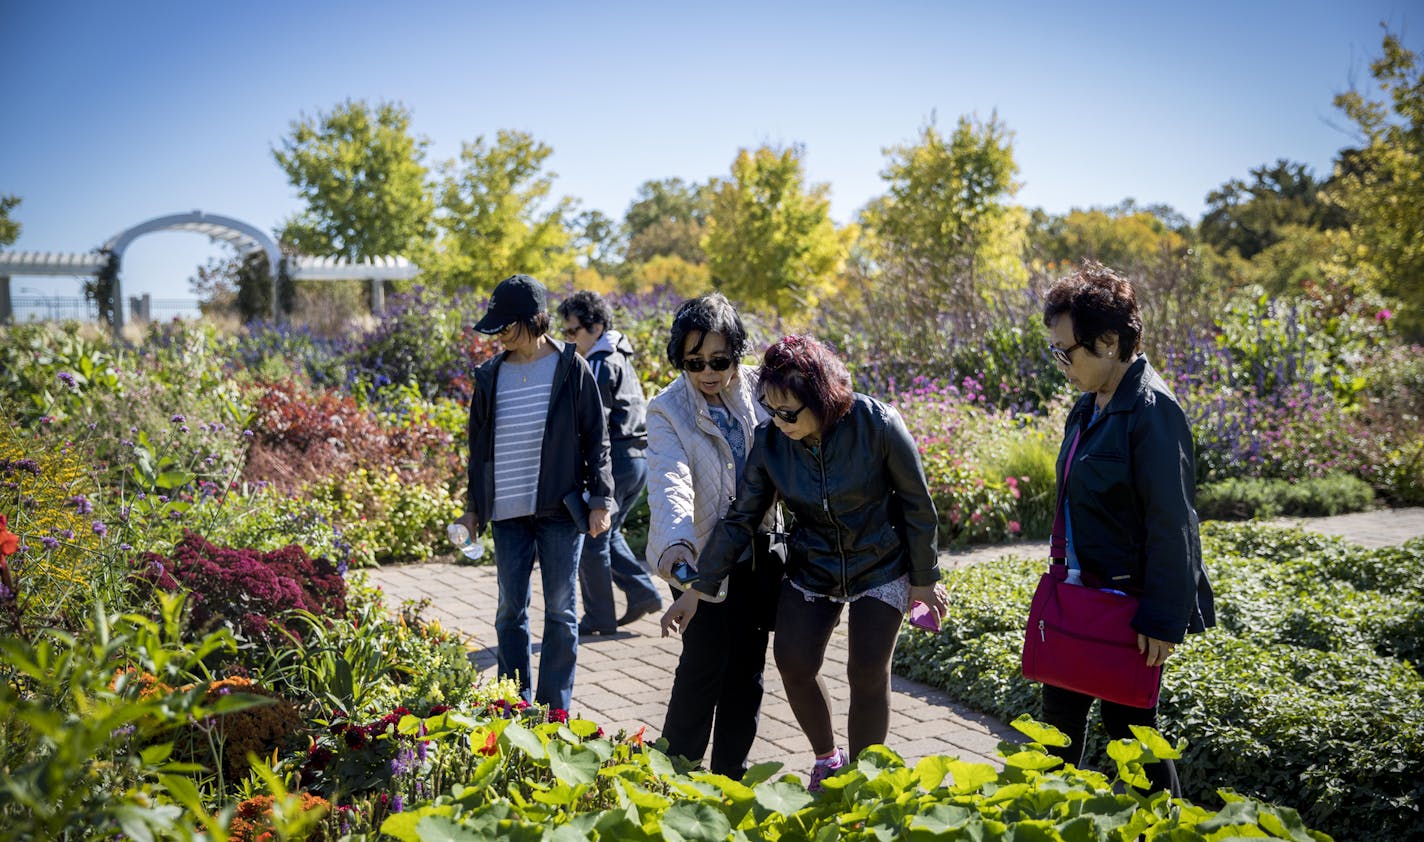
970,777
573,763
695,822
174,479
404,826
517,736
931,771
1040,732
783,797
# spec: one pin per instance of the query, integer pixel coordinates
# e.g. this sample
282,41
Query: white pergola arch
243,237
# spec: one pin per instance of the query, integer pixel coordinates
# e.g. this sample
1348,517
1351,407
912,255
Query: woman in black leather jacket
848,471
1129,495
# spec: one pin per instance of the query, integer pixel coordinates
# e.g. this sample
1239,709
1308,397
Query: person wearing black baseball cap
538,450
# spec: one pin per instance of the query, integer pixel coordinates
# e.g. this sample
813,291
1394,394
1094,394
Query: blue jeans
556,542
608,560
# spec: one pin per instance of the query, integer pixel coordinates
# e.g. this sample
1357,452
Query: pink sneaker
826,767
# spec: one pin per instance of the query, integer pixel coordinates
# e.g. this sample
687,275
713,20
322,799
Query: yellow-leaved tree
770,239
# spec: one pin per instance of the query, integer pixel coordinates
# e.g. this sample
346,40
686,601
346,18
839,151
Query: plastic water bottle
460,537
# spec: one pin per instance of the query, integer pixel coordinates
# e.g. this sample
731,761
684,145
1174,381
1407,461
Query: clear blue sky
115,113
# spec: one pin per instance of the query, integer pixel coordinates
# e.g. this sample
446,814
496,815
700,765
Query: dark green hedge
1242,499
1308,692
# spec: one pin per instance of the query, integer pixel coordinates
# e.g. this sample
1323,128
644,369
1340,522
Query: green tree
945,227
1250,218
9,228
362,176
495,216
770,239
667,218
1380,185
597,240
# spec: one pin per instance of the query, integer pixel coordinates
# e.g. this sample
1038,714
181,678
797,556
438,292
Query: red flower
637,738
558,715
9,541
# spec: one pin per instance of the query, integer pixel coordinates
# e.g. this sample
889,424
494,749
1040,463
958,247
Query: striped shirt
521,407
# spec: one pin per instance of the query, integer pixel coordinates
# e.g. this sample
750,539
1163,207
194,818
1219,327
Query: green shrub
383,518
1031,460
1308,690
1240,499
87,746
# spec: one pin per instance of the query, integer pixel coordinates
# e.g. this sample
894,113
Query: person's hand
470,522
680,614
671,556
1157,651
935,596
598,522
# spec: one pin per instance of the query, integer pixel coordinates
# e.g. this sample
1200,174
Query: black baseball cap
516,299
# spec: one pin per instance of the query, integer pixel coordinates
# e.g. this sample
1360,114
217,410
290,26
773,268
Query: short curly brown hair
806,368
1100,301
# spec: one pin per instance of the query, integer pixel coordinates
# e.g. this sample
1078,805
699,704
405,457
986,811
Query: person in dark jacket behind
538,440
1129,494
607,560
849,472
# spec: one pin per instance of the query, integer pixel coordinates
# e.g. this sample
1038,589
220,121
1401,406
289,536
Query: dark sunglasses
717,364
1064,356
787,415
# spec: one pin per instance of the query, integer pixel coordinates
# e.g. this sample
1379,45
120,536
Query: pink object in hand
924,616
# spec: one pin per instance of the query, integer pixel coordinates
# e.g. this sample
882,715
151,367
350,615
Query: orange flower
638,737
491,746
9,541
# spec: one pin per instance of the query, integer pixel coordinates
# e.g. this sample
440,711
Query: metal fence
52,308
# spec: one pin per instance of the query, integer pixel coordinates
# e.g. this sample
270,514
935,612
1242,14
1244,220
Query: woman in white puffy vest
699,431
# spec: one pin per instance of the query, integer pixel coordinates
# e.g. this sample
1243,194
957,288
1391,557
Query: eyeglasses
571,332
787,415
717,364
1064,356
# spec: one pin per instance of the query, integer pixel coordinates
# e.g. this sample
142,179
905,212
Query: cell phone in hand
684,574
923,616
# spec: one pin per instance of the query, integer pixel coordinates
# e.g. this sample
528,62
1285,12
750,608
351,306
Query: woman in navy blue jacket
1129,497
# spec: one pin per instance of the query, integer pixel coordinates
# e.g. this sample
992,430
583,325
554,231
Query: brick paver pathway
624,680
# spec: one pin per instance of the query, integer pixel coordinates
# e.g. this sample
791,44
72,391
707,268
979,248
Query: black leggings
1068,712
718,679
803,629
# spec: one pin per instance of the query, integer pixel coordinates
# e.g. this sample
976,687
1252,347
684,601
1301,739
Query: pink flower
1384,315
1015,527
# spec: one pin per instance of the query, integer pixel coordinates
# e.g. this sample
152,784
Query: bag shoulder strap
1058,542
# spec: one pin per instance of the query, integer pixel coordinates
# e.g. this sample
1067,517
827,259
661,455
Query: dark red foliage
247,588
303,436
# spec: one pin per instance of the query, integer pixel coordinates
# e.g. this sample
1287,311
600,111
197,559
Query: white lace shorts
895,594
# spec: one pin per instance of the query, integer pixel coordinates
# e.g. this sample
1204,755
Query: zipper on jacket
826,507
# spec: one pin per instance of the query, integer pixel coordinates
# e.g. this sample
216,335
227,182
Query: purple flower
397,804
183,429
125,547
247,434
81,504
49,542
100,529
67,379
177,419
